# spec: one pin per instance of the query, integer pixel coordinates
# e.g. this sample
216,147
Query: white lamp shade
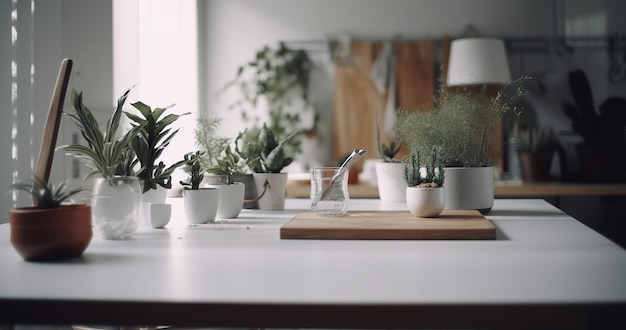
477,61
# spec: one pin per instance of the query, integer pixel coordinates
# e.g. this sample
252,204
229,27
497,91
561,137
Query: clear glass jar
329,192
115,206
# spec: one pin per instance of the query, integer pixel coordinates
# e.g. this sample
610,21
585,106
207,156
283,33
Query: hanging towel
383,75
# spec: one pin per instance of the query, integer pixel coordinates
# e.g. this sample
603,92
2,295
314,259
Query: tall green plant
104,154
153,137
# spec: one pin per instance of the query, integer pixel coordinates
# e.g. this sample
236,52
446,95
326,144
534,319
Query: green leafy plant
47,196
536,140
387,152
461,124
422,173
194,169
153,136
267,155
104,154
278,75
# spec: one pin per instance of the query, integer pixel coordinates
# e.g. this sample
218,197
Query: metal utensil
347,164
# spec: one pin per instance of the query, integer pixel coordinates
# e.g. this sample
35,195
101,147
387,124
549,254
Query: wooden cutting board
401,225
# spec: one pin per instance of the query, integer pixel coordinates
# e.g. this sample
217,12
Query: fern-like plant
47,196
154,135
104,154
422,173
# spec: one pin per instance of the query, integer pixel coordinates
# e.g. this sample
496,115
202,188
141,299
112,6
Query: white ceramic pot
201,205
425,202
231,199
152,196
469,188
273,197
391,183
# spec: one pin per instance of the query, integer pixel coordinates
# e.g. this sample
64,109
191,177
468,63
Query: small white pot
152,196
391,183
231,199
425,202
201,205
469,188
274,196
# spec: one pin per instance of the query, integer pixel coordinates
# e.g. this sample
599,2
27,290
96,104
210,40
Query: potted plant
280,77
390,172
51,229
535,148
602,152
267,158
200,202
223,165
116,195
425,193
461,126
154,135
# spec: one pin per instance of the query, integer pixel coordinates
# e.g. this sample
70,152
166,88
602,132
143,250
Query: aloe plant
269,156
47,196
104,154
153,136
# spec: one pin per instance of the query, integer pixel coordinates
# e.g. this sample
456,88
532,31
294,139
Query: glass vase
116,205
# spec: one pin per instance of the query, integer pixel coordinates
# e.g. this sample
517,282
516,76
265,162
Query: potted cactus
200,202
51,229
425,193
267,158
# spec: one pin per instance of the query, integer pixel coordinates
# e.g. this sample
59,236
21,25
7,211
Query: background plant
153,136
461,124
422,172
47,196
104,154
536,140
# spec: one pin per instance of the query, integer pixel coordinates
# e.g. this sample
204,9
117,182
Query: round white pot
231,199
152,196
425,202
469,188
273,197
201,205
391,183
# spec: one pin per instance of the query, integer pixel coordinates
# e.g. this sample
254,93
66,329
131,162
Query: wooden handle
51,130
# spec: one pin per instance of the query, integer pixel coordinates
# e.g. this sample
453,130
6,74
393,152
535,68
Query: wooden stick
51,130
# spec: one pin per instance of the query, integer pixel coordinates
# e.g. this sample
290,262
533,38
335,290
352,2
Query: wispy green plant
47,196
104,154
461,124
153,136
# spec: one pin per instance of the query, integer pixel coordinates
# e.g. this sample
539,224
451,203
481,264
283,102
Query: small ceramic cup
160,214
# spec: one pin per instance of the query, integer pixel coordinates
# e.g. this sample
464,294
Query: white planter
469,188
152,196
425,202
391,183
231,199
201,205
273,198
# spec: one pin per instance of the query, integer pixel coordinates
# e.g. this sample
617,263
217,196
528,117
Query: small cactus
194,169
431,177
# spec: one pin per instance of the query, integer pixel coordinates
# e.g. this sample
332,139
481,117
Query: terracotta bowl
51,234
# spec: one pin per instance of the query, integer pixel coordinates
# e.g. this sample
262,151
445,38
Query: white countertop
541,258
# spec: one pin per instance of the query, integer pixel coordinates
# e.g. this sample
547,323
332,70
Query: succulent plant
387,152
419,174
153,136
268,155
47,196
194,169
